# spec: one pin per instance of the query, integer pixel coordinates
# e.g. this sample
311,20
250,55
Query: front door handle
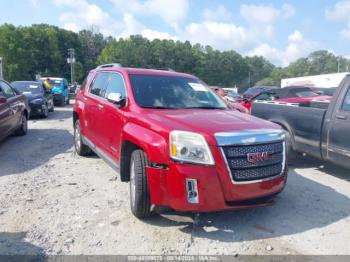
341,117
100,107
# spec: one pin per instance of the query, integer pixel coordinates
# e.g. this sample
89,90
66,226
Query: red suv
176,143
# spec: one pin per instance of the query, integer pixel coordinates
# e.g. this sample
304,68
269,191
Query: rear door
113,117
5,114
338,137
94,108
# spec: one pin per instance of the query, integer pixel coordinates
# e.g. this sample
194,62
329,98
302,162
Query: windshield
152,91
56,82
28,87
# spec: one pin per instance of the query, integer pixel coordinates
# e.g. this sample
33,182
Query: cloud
172,12
83,15
340,11
345,33
220,13
223,36
297,47
266,14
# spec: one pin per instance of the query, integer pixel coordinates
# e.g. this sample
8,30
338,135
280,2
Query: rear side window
346,103
99,84
115,85
7,90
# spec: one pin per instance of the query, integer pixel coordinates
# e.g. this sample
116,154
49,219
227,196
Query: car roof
144,71
51,78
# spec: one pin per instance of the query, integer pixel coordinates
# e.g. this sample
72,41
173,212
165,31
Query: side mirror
3,100
116,98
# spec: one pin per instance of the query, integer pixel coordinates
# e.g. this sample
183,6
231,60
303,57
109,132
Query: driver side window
7,90
346,104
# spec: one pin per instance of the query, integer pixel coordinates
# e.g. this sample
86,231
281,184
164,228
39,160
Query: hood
205,122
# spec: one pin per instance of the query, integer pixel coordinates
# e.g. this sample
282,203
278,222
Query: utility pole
338,64
249,79
1,72
71,61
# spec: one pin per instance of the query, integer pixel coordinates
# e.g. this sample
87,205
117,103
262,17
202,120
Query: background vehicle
59,90
14,111
292,94
323,81
232,94
40,100
230,103
256,90
176,142
318,131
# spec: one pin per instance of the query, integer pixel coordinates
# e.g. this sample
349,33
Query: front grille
243,170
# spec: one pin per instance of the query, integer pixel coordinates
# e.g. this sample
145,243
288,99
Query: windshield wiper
159,107
205,107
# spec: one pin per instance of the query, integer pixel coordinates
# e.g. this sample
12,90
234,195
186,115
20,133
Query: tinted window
346,103
265,96
28,87
99,84
7,90
115,85
173,92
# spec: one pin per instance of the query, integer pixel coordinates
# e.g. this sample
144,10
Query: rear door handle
100,107
341,117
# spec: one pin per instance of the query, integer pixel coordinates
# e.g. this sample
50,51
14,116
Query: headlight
58,92
38,101
190,147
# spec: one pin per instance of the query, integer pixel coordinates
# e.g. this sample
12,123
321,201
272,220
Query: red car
176,142
14,111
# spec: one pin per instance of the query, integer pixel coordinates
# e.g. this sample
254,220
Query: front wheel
80,147
45,112
139,190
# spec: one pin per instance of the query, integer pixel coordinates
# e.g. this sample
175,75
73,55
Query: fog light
192,191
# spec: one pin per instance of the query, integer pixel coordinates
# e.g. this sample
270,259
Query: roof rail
164,69
109,65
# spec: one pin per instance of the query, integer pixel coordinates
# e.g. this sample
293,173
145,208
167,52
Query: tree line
42,49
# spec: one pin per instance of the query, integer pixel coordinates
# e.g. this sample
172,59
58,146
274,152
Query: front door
94,108
14,104
113,118
5,114
339,141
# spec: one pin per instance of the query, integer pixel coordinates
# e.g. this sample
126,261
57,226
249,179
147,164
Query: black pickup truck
319,129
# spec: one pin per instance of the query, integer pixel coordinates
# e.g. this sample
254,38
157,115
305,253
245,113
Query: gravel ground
55,202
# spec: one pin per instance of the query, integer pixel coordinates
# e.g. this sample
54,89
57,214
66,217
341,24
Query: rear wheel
22,130
139,190
80,147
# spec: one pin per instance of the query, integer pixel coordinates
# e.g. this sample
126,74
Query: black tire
62,101
80,147
45,113
140,202
291,153
22,130
52,109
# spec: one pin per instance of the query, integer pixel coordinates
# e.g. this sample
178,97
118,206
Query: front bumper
57,97
216,191
36,109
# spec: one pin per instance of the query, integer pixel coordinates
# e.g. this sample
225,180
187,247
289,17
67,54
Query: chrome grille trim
248,140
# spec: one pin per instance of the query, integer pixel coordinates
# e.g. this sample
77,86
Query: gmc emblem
258,157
